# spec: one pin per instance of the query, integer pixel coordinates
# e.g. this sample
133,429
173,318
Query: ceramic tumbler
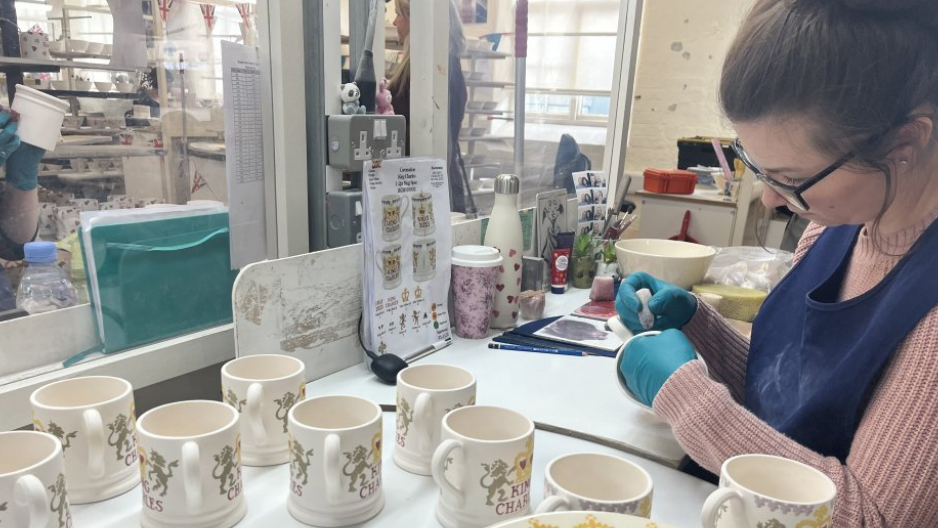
426,393
422,207
765,490
475,269
94,419
393,209
424,259
263,388
483,467
596,482
190,463
32,481
388,260
335,461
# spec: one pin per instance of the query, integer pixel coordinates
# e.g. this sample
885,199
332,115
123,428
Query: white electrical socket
363,152
394,151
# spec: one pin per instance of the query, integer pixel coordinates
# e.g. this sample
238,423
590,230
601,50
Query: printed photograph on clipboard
582,331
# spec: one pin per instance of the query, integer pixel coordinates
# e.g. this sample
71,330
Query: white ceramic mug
190,462
388,260
41,117
32,481
95,421
596,482
424,221
335,461
393,209
426,393
424,259
263,388
766,490
483,467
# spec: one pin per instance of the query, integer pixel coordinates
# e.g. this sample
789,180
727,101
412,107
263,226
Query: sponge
737,303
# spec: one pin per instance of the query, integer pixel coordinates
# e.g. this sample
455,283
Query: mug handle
30,492
708,516
254,408
94,428
378,261
192,476
422,408
436,469
552,504
405,200
330,467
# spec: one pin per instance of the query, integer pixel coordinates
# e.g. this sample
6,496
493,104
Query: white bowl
680,263
57,46
126,87
83,86
60,85
475,105
77,46
103,86
107,50
94,48
489,105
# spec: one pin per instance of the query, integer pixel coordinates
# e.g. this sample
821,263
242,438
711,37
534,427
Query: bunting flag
208,13
165,6
198,182
245,11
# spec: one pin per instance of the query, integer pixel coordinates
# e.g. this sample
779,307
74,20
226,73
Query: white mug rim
231,423
33,398
228,375
403,383
56,450
644,493
724,473
476,408
292,414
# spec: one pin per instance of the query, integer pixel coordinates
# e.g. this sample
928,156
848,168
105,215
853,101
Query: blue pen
542,350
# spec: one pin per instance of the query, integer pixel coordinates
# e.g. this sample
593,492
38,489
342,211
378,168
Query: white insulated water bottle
504,233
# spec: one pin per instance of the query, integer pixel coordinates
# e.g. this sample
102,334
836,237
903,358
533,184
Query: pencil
542,350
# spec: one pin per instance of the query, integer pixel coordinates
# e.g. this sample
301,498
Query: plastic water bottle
44,286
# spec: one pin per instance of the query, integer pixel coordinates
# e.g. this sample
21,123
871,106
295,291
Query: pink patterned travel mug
474,271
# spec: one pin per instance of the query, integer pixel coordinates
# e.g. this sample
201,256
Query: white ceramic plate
581,520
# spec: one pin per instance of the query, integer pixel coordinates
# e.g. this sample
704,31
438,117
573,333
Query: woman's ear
912,139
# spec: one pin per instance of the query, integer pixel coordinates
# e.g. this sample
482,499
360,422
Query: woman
399,85
835,105
19,202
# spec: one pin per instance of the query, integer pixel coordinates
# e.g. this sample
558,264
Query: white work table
574,393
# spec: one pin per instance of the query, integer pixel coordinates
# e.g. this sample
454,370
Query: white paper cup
41,117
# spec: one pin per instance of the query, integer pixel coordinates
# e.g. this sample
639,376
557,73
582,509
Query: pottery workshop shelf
102,151
94,95
39,65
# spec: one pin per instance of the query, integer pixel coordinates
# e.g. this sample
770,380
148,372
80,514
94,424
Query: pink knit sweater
891,475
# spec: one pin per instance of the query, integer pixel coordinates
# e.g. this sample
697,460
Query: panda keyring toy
350,94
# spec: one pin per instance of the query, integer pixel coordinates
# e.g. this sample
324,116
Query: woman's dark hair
856,68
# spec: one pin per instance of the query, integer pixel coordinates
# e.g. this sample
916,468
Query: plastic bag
749,267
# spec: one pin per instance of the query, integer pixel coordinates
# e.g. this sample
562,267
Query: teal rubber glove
9,141
650,360
672,307
23,166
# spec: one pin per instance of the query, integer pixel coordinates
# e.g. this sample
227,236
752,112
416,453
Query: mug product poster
589,180
406,282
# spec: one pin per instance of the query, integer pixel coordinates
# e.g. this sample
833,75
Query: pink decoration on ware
499,287
512,253
517,266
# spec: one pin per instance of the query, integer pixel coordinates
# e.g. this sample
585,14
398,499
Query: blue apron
814,362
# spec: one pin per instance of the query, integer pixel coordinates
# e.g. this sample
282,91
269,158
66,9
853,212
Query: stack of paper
407,241
158,272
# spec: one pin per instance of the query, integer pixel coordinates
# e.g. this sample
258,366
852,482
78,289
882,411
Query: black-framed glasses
791,193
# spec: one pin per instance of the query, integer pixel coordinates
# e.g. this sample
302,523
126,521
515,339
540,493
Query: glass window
145,125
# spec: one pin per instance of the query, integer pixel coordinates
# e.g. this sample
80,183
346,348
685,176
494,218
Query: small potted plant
584,265
608,263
